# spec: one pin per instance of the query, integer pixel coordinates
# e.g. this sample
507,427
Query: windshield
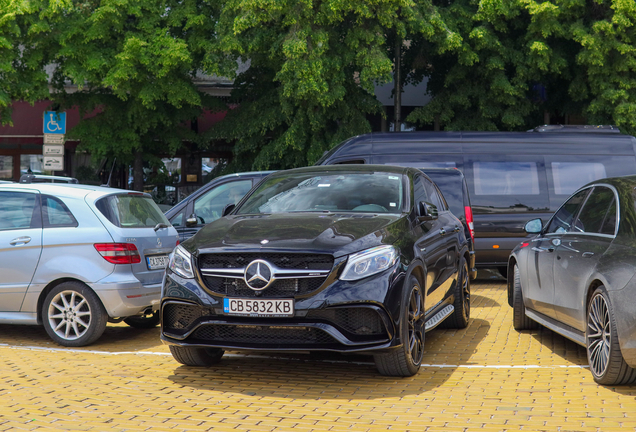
338,192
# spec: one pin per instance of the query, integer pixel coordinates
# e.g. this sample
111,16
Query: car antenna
111,173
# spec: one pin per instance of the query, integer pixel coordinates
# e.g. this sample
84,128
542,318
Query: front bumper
339,316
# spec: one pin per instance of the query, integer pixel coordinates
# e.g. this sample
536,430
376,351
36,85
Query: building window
6,167
34,163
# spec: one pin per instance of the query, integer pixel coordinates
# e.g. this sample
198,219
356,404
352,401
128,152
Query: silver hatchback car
74,257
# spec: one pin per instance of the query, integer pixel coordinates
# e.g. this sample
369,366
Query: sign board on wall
53,150
54,163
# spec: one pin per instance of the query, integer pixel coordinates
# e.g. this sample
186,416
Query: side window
177,220
507,183
609,224
595,211
563,218
506,178
18,210
569,176
209,206
56,214
434,195
419,192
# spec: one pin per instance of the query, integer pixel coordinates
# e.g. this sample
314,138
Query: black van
512,176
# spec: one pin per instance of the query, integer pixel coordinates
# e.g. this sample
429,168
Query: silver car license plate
157,262
258,307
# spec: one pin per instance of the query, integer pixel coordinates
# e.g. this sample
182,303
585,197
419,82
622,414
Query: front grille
180,316
262,335
355,320
280,260
279,288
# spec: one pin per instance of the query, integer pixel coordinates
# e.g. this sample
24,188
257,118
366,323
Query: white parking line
439,366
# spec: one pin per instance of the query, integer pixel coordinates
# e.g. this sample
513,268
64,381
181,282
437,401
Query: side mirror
426,211
534,226
191,221
228,209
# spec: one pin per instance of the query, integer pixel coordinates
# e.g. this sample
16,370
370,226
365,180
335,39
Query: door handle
550,249
588,254
442,232
20,240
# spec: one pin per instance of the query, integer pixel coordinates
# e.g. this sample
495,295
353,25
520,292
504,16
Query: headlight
369,262
181,263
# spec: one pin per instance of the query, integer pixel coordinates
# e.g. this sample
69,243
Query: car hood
332,233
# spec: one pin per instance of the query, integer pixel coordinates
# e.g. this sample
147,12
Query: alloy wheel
415,326
69,315
599,336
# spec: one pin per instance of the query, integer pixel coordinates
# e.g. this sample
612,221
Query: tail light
119,253
469,220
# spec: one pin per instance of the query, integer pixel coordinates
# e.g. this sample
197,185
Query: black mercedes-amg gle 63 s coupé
352,259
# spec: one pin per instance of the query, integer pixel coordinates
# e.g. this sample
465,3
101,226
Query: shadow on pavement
482,301
331,375
116,337
560,345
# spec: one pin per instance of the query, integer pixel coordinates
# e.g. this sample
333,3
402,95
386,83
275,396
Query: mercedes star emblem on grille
258,275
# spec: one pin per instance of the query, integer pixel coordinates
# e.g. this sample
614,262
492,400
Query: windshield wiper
309,211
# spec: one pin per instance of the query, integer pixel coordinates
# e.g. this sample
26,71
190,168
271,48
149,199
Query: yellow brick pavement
485,378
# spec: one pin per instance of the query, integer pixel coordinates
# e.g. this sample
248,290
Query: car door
450,230
430,245
539,292
579,252
20,245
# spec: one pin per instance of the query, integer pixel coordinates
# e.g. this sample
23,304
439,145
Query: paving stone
487,377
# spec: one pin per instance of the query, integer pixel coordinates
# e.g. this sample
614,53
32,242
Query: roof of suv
348,168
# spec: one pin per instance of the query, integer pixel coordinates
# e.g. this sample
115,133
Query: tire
460,317
601,340
144,322
73,315
195,356
406,360
519,319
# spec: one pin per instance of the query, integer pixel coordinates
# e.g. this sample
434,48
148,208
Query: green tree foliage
606,33
522,58
308,71
22,56
132,64
305,70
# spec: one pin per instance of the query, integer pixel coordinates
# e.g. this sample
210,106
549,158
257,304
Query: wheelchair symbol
52,124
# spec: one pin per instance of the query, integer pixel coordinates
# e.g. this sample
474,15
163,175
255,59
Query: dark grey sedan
576,277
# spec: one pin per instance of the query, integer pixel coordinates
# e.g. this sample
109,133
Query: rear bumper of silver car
123,298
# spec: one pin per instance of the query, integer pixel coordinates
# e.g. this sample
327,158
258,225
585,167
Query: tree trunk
397,90
138,171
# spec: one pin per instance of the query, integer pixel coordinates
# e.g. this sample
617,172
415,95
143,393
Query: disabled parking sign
54,122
